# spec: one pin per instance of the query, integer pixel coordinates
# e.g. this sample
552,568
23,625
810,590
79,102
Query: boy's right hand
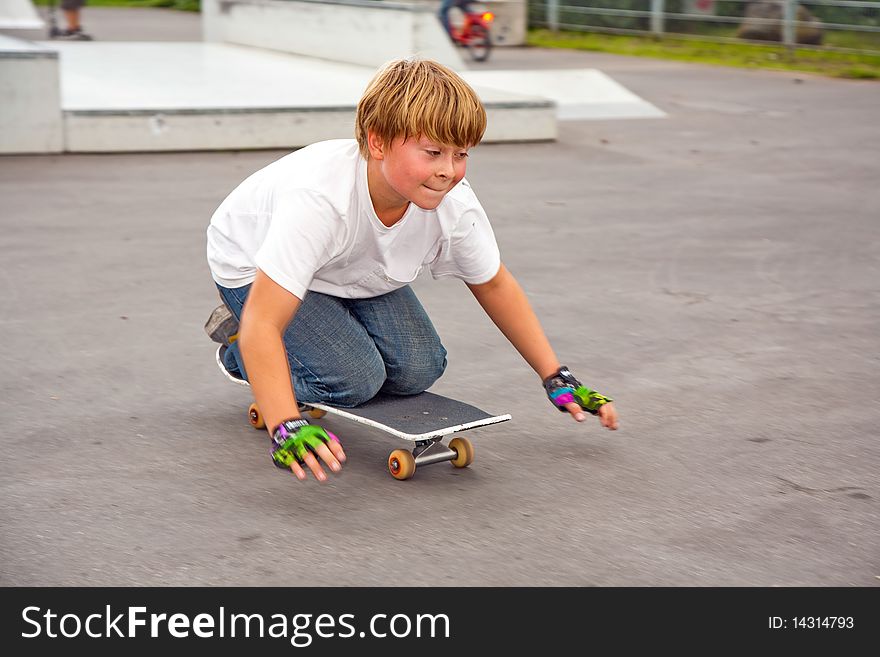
296,443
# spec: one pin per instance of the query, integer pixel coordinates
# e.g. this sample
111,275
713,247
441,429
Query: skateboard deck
425,419
420,417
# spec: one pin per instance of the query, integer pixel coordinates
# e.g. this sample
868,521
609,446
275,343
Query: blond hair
412,97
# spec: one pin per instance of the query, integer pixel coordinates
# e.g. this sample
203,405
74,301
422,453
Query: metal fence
845,25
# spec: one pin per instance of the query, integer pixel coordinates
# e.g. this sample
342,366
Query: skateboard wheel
316,413
464,450
401,464
255,417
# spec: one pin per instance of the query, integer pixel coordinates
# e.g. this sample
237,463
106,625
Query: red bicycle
474,34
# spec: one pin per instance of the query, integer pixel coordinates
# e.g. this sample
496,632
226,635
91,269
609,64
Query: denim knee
416,372
358,385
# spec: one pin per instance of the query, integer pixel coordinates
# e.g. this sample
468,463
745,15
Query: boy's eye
461,155
433,152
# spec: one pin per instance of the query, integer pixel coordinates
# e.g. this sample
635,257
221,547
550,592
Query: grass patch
182,5
742,55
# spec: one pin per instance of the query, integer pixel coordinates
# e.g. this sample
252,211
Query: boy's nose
445,168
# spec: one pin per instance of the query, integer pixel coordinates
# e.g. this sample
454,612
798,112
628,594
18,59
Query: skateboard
424,419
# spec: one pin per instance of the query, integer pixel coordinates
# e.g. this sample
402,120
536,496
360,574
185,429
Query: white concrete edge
601,111
17,48
23,24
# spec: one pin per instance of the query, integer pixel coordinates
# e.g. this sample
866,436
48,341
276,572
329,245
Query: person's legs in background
71,10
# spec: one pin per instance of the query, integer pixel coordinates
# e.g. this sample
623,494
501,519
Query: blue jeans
343,351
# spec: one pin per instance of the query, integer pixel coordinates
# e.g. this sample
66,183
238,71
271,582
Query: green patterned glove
562,388
293,439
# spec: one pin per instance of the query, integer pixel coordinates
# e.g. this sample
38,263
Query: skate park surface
715,271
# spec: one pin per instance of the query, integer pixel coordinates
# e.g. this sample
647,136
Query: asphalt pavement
715,271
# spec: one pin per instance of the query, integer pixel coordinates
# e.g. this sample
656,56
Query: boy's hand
296,443
570,395
608,416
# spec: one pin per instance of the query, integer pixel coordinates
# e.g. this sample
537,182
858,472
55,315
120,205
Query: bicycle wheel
479,44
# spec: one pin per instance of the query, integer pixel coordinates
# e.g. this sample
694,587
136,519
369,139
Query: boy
313,255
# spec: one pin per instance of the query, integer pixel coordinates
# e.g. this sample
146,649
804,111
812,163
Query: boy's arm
267,312
508,307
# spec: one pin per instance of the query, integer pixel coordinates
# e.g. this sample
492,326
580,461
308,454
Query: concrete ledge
521,122
109,131
362,32
15,48
184,130
30,112
198,96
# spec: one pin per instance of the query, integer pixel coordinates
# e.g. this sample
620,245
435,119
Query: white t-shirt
307,221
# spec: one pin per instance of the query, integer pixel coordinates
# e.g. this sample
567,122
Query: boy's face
418,170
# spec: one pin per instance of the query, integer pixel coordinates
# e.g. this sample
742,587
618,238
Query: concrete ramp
210,96
19,15
578,93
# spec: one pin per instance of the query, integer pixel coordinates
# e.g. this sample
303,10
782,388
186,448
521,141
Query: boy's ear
376,146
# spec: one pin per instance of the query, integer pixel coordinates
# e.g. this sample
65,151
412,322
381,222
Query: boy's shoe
73,35
220,357
222,327
221,353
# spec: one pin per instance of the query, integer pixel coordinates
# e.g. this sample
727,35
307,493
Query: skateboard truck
402,464
427,452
